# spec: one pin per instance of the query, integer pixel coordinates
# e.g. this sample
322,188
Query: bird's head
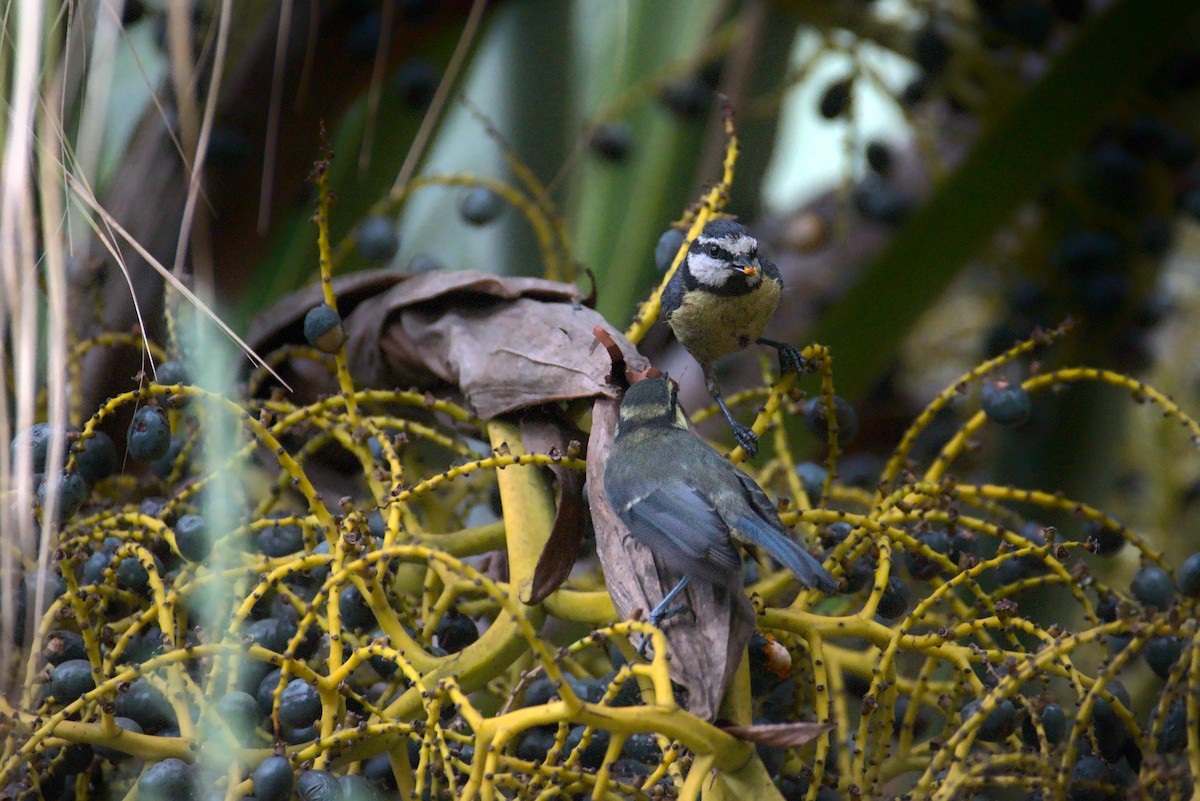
651,402
724,256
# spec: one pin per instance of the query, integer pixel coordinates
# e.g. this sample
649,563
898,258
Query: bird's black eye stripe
716,251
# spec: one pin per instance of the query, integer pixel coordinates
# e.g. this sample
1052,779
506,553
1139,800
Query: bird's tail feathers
803,564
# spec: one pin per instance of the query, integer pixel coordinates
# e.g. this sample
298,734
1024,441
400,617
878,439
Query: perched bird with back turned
688,504
719,301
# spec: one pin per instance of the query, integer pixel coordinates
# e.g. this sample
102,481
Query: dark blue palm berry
299,705
133,576
144,703
667,247
239,710
1012,570
881,201
1109,541
456,631
642,747
193,540
1162,653
168,779
1153,586
1089,780
688,98
844,414
280,540
323,329
922,567
37,439
812,478
378,770
96,457
112,753
266,633
895,599
592,756
355,611
835,533
171,373
880,158
69,680
318,785
999,723
479,206
1054,723
1005,403
1189,576
836,99
859,575
416,81
535,745
62,646
376,238
356,788
1089,251
149,435
273,779
931,50
1172,736
293,735
612,141
164,466
265,693
72,492
76,758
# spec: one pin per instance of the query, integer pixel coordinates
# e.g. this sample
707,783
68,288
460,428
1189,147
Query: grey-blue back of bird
690,505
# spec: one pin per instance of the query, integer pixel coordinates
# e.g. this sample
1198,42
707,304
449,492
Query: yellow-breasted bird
719,301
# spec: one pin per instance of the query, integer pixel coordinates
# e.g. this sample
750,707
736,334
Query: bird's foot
659,615
790,360
746,438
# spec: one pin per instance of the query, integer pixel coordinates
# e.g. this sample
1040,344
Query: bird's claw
746,438
666,614
790,360
656,619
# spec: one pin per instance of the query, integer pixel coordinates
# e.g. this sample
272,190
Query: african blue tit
688,504
720,300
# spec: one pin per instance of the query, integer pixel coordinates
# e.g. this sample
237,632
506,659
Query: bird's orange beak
749,268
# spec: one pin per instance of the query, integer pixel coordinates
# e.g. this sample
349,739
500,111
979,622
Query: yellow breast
711,326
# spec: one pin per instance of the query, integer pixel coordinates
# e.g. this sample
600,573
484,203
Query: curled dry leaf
551,434
503,343
780,735
706,648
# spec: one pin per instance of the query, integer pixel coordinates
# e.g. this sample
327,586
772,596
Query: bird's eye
714,251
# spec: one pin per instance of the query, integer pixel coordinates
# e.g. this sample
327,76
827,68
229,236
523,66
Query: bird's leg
789,356
660,612
744,435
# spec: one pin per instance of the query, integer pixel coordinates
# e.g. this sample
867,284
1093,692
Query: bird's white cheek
707,270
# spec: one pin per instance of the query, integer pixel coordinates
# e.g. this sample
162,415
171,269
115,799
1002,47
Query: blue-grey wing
684,530
672,296
757,523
